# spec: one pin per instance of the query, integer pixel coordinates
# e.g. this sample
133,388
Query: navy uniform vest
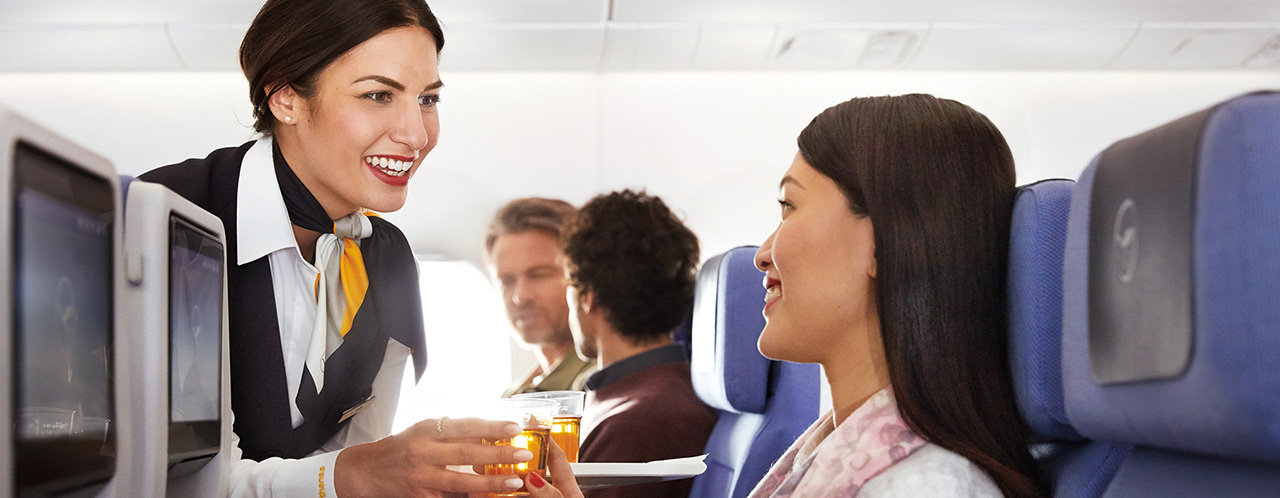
259,393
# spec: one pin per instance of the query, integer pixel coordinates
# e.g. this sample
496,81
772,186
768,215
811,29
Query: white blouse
935,472
264,229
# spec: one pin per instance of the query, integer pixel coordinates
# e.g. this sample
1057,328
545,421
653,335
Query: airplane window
468,344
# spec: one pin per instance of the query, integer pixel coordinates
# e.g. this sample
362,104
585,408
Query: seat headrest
1171,277
1036,239
728,371
125,180
682,333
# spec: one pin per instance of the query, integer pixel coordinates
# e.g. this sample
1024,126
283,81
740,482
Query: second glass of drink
566,428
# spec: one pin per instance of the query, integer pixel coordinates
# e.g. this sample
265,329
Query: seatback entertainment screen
195,325
64,325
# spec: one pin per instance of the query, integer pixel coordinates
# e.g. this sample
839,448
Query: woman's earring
288,119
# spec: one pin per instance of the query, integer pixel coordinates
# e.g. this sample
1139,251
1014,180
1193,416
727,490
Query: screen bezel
201,439
92,193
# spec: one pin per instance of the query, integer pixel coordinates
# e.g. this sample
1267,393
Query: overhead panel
699,35
81,48
649,47
1267,56
517,47
665,47
733,47
1196,46
1023,47
619,52
1093,11
860,11
847,47
520,11
771,11
127,12
208,47
1197,11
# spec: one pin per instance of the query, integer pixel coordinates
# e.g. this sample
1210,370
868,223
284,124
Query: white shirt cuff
311,476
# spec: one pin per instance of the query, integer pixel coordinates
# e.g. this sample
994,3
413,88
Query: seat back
683,332
1172,303
1037,236
125,180
763,405
1078,467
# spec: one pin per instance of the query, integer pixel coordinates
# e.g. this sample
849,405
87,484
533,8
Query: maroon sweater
641,409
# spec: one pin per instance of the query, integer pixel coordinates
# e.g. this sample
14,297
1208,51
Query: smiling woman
325,310
888,269
367,123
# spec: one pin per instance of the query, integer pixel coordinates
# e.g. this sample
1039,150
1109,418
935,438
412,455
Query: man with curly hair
632,266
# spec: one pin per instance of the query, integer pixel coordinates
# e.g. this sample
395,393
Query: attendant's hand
566,486
412,463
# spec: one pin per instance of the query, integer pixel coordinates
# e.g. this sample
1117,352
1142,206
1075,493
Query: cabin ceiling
690,35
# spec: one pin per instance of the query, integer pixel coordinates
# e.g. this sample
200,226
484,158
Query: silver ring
440,427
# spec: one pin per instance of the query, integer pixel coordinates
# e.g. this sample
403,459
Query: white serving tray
594,475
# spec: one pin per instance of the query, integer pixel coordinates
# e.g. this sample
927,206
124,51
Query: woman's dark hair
291,41
937,180
639,260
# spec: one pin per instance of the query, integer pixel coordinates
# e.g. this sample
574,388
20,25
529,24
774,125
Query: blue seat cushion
1037,237
728,372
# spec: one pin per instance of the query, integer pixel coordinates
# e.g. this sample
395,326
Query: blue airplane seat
125,180
764,405
1171,322
1078,467
683,332
1038,233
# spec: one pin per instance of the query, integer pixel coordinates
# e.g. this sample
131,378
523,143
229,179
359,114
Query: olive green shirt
569,374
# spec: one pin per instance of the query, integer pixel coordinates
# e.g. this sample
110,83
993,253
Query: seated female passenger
888,269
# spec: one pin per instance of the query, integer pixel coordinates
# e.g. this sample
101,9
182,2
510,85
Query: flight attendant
324,302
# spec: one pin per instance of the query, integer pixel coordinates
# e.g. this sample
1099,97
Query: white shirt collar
262,220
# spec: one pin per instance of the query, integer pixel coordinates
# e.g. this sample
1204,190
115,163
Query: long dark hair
937,179
291,41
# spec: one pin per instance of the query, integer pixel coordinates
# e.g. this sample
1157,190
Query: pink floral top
836,461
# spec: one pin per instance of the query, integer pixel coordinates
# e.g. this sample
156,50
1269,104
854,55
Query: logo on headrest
1124,234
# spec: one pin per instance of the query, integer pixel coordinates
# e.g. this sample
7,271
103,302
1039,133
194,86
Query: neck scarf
870,440
344,280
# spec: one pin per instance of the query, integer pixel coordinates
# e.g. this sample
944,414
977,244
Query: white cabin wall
723,140
137,120
713,144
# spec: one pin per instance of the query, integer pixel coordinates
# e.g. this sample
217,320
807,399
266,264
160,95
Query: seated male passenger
632,266
523,249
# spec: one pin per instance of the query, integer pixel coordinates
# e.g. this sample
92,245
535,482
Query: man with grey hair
524,253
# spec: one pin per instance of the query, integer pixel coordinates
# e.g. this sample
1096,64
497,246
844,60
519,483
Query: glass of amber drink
535,417
566,427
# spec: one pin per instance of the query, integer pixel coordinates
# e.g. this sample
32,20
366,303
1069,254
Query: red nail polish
536,480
